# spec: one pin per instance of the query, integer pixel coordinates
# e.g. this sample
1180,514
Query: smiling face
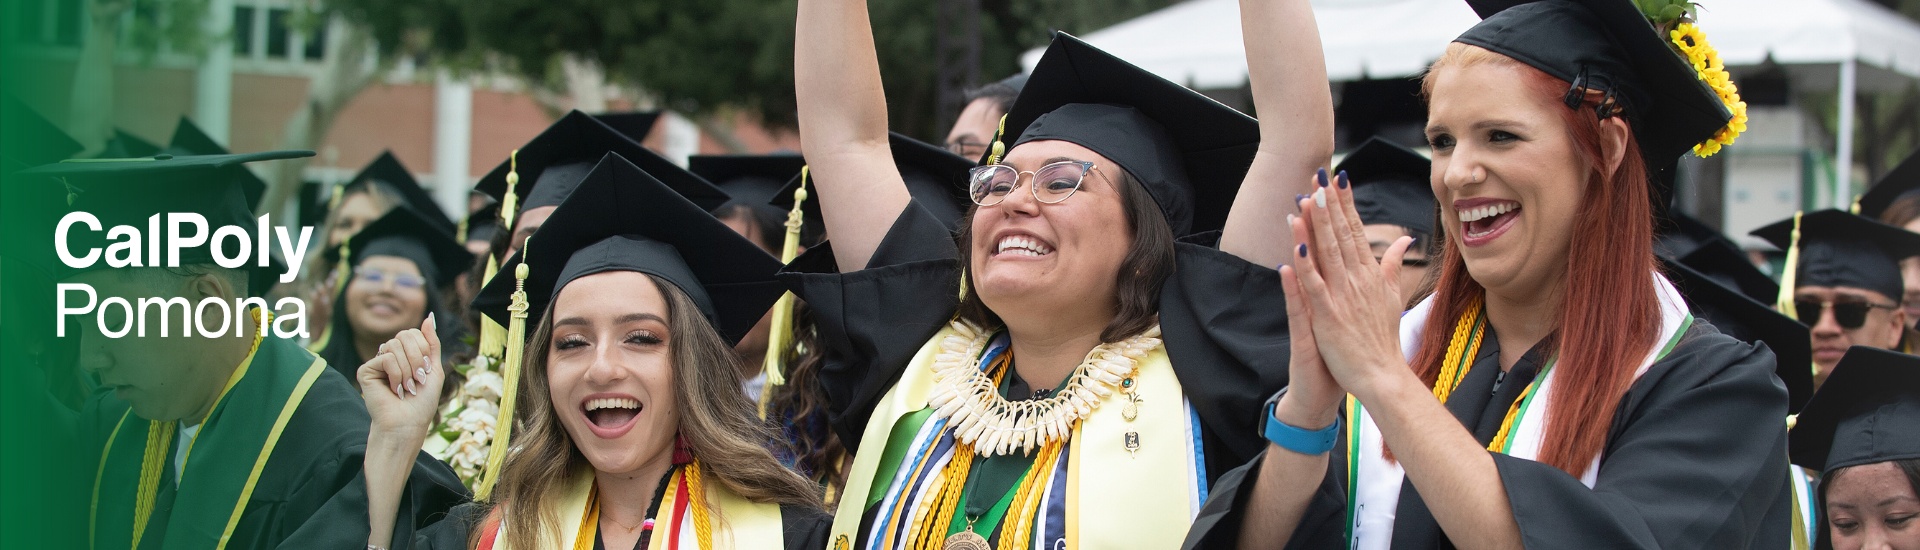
1508,175
355,212
610,370
1873,507
1031,257
386,296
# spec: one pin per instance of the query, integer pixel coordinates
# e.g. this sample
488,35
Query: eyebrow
623,319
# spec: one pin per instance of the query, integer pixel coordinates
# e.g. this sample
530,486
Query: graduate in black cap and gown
399,268
1391,193
1134,362
1862,433
237,440
1843,281
380,187
1895,201
1555,391
637,435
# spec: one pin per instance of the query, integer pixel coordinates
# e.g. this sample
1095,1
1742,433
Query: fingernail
1290,218
422,371
1323,177
429,364
1320,198
1343,179
1303,250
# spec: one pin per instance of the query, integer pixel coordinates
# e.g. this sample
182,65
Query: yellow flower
1691,42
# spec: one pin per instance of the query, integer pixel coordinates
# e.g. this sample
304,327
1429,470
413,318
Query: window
243,30
317,41
277,32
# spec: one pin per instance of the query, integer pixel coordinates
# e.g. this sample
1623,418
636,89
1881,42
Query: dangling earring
682,450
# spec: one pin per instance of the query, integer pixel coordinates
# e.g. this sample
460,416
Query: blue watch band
1300,440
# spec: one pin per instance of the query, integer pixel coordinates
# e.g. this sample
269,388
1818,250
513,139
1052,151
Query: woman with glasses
400,263
1077,365
1555,391
1845,282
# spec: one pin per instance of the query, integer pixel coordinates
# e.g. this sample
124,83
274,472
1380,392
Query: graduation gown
1222,319
804,529
1695,458
309,492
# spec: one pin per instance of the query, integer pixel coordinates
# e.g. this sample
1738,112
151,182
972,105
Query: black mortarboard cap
1730,267
554,162
1609,46
750,180
1901,182
1867,411
484,223
1390,186
1740,316
388,170
127,192
1189,151
407,233
622,219
633,124
31,139
1842,249
189,139
936,179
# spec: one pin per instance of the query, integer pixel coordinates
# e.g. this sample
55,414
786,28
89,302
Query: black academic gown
805,529
1695,458
1223,321
311,493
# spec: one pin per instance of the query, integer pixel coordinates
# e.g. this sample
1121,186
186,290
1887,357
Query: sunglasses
1849,313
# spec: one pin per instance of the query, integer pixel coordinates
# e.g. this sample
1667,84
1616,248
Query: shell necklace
968,398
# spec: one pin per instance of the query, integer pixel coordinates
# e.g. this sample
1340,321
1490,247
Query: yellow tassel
1855,209
493,337
999,143
341,272
510,376
509,201
1788,270
333,200
781,328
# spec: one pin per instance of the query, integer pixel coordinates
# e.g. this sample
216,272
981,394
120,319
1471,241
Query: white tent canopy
1198,42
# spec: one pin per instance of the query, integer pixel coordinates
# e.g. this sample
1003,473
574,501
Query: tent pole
1843,157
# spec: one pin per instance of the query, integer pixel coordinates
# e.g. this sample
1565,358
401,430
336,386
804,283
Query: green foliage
174,25
715,56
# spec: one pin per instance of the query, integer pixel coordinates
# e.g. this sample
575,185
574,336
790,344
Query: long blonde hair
716,418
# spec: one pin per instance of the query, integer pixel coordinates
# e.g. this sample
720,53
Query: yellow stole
739,523
1124,501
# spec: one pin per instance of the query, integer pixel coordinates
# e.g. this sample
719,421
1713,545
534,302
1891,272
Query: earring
682,450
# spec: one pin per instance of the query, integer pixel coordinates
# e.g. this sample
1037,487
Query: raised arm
843,127
1288,74
401,386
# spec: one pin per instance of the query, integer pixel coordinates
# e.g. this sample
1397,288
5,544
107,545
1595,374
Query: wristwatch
1294,438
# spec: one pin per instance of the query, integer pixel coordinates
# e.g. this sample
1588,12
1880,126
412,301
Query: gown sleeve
872,321
1696,458
452,530
1224,321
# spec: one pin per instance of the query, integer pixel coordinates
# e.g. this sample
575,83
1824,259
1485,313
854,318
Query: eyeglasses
965,148
990,183
378,276
1849,313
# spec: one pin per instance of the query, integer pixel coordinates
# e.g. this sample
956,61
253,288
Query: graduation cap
1903,182
189,139
1868,411
482,225
554,163
1609,46
633,124
935,177
406,233
1390,186
750,180
1750,320
621,218
31,139
388,170
127,192
1729,266
1189,151
1835,248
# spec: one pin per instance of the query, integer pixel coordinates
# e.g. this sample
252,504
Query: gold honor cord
510,376
781,329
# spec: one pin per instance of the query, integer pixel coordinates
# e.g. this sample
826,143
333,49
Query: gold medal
966,540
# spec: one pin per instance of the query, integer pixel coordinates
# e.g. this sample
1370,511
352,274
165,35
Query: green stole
223,463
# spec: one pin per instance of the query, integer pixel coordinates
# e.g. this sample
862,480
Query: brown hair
801,405
1609,316
1904,209
1148,263
716,419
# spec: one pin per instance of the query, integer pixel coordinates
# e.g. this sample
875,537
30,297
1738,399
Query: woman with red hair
1554,391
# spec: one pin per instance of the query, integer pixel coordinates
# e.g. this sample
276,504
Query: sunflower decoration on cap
1674,19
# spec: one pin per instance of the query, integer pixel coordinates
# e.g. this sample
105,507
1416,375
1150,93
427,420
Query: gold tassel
999,142
781,328
510,378
510,201
1855,210
493,337
341,272
1788,270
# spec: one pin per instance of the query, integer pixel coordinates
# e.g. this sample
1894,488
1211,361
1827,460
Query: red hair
1609,315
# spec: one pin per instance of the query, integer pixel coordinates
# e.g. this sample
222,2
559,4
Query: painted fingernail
1290,218
1343,179
422,371
1303,250
1320,198
1323,177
